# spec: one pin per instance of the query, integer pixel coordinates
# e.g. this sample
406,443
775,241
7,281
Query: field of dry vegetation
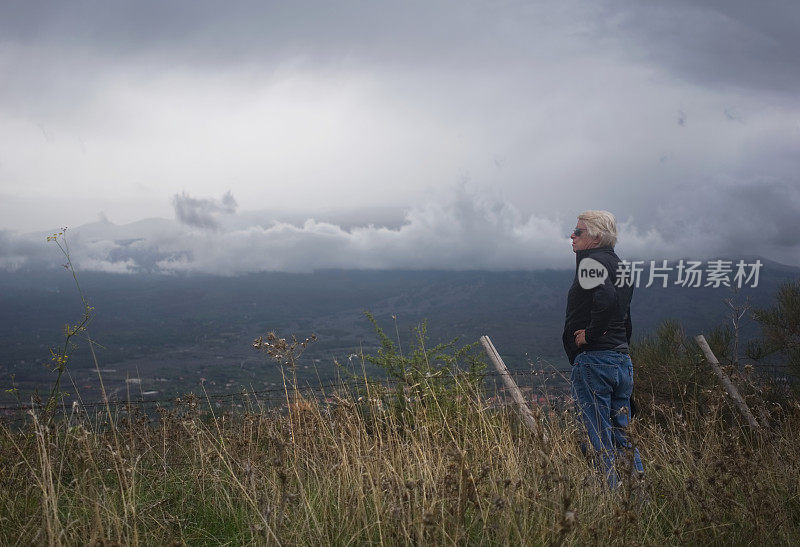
429,464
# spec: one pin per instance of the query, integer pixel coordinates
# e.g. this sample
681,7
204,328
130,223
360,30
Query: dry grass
355,472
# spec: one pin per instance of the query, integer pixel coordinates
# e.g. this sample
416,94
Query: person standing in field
597,332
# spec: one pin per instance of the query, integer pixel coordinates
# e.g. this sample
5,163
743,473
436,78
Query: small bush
780,327
439,374
668,368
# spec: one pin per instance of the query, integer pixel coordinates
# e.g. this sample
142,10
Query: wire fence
542,384
274,396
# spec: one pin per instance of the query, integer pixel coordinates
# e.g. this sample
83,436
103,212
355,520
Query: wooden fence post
725,381
522,408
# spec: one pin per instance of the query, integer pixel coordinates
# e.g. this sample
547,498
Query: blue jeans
602,382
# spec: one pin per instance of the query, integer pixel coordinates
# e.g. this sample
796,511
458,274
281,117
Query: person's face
582,241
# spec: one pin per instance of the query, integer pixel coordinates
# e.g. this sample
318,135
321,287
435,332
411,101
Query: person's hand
580,337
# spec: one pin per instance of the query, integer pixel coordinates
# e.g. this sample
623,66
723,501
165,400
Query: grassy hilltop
426,459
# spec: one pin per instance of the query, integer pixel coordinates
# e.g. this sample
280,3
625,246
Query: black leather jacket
603,311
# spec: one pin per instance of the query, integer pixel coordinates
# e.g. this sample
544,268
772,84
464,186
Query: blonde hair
601,223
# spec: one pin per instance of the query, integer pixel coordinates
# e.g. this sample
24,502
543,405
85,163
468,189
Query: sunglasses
578,231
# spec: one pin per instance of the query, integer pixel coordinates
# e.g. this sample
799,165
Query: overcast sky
463,134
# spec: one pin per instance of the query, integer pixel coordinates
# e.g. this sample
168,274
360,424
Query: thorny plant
286,354
283,352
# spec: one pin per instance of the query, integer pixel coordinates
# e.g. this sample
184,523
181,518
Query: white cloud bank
466,231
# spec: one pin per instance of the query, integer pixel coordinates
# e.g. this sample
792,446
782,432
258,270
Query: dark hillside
181,328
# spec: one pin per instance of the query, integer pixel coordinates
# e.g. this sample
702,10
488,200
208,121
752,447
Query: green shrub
441,373
670,368
780,327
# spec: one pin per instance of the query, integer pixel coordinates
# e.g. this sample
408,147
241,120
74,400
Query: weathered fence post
725,381
522,408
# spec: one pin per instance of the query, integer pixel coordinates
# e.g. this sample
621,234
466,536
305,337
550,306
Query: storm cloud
682,118
715,42
202,213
